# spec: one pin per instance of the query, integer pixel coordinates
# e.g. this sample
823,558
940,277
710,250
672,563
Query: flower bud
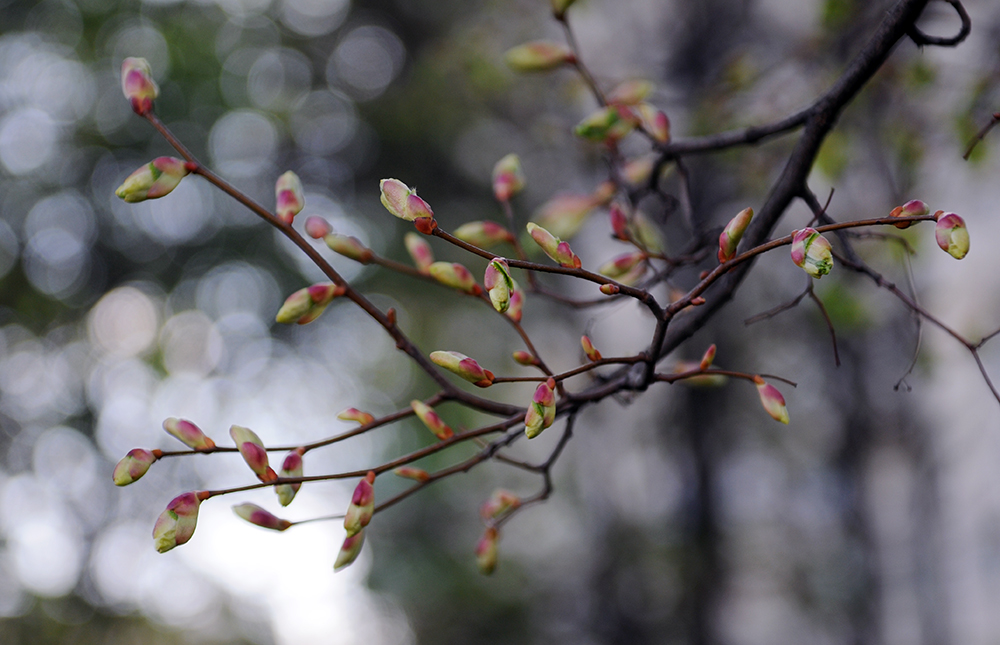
697,380
349,550
288,196
638,171
772,400
354,414
257,515
508,178
155,179
253,451
707,358
610,289
525,358
619,223
732,234
623,264
554,247
431,420
349,247
176,524
454,275
486,551
542,411
138,85
362,506
464,366
419,250
654,121
646,234
485,235
410,472
190,434
538,56
912,208
500,503
631,92
290,467
609,124
604,193
133,466
565,214
402,201
306,305
951,235
317,227
589,349
515,310
812,252
498,284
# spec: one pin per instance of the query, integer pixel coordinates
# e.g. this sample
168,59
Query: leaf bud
349,550
306,305
772,400
354,414
589,349
508,178
607,125
485,235
631,92
253,452
138,85
419,250
262,518
289,197
410,472
498,284
155,179
525,358
362,507
402,201
486,551
454,275
464,366
176,524
812,252
500,503
912,208
134,465
290,467
541,412
553,246
655,122
538,56
515,310
431,419
317,227
707,358
350,247
951,235
609,289
732,234
189,434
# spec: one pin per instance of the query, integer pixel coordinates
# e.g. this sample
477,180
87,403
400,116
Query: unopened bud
610,289
362,506
190,434
262,518
516,307
138,85
631,92
402,201
698,380
253,452
306,305
525,358
464,366
698,301
951,235
498,283
623,265
133,466
431,419
707,358
608,124
912,208
410,472
563,215
155,179
486,551
176,524
317,227
508,178
289,197
654,121
604,193
553,246
541,412
500,503
485,235
619,223
349,550
732,234
419,250
538,56
589,349
646,234
350,247
290,467
638,171
354,414
812,252
771,399
454,275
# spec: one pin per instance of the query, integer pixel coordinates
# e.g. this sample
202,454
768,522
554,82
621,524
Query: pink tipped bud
354,414
695,379
542,411
290,467
631,92
306,305
638,171
485,235
499,504
609,124
176,524
410,472
508,178
431,419
402,201
138,85
350,247
289,197
951,235
155,179
772,400
604,193
538,56
563,215
486,551
317,227
525,358
464,366
619,223
707,358
362,507
349,550
498,284
419,250
190,434
257,515
516,308
655,122
455,276
610,289
133,466
912,208
253,451
553,246
733,233
812,252
589,349
622,265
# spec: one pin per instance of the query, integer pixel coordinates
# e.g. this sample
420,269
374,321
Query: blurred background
680,516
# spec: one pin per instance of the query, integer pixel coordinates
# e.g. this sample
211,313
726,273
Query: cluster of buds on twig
542,409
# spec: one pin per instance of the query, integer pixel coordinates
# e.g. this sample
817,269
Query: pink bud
589,349
486,551
655,122
155,179
498,284
190,434
485,235
455,276
362,506
177,523
516,307
912,208
610,289
500,503
349,247
553,246
317,227
257,515
733,233
542,411
631,92
525,358
417,208
464,366
253,451
638,171
306,305
951,235
431,420
508,178
812,252
619,223
134,465
707,358
419,250
772,400
609,124
402,201
409,472
289,197
623,265
538,56
290,467
349,550
563,215
138,85
698,380
354,414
